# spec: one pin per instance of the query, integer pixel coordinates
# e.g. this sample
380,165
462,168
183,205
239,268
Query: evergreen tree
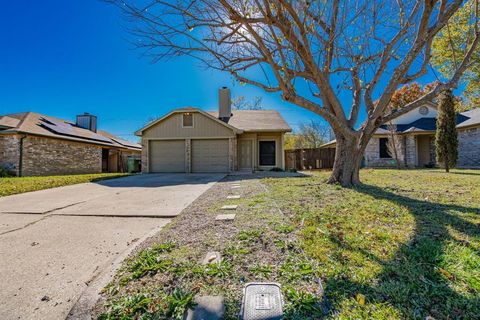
446,142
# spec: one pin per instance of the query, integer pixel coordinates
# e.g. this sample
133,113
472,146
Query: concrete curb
146,216
83,307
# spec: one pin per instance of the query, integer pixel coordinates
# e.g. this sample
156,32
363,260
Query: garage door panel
210,155
167,156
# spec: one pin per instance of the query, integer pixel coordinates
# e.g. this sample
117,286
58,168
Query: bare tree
394,144
241,103
308,135
310,52
312,134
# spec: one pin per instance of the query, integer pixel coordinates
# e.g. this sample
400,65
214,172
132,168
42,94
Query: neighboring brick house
416,130
32,144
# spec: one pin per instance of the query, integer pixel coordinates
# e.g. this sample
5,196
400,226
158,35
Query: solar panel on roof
57,127
67,129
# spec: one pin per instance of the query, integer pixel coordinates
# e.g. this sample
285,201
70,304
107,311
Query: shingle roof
38,124
464,119
8,122
473,118
257,120
422,124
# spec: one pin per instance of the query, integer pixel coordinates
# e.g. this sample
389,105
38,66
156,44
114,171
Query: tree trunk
348,157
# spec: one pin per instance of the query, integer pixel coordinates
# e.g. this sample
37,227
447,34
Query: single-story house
192,140
416,130
33,144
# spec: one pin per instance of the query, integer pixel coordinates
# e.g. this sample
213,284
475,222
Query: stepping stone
225,217
212,257
233,197
230,207
235,187
207,308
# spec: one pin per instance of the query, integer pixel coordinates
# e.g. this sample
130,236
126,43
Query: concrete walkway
54,242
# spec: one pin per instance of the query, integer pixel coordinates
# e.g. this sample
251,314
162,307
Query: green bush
5,173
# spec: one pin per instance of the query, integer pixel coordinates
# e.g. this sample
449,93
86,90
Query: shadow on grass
413,281
467,173
155,180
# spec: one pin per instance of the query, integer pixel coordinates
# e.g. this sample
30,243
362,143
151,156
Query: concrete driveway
54,242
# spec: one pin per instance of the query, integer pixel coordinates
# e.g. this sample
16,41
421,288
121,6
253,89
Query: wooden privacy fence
307,159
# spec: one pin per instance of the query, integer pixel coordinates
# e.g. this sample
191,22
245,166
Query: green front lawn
404,245
9,186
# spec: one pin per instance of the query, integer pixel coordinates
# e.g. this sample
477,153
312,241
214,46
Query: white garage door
167,156
210,155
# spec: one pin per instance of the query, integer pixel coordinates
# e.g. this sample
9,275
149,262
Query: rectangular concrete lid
207,308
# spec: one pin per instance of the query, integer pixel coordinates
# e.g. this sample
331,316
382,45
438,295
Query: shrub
446,141
5,173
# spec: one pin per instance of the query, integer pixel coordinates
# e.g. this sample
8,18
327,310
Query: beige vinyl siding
255,137
210,155
167,156
203,127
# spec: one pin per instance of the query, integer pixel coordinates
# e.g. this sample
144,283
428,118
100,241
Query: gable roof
42,125
464,119
240,121
257,120
473,118
182,110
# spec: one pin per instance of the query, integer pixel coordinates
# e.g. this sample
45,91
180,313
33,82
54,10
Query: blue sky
62,58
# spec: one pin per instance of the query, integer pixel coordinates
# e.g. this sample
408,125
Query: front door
245,148
423,149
